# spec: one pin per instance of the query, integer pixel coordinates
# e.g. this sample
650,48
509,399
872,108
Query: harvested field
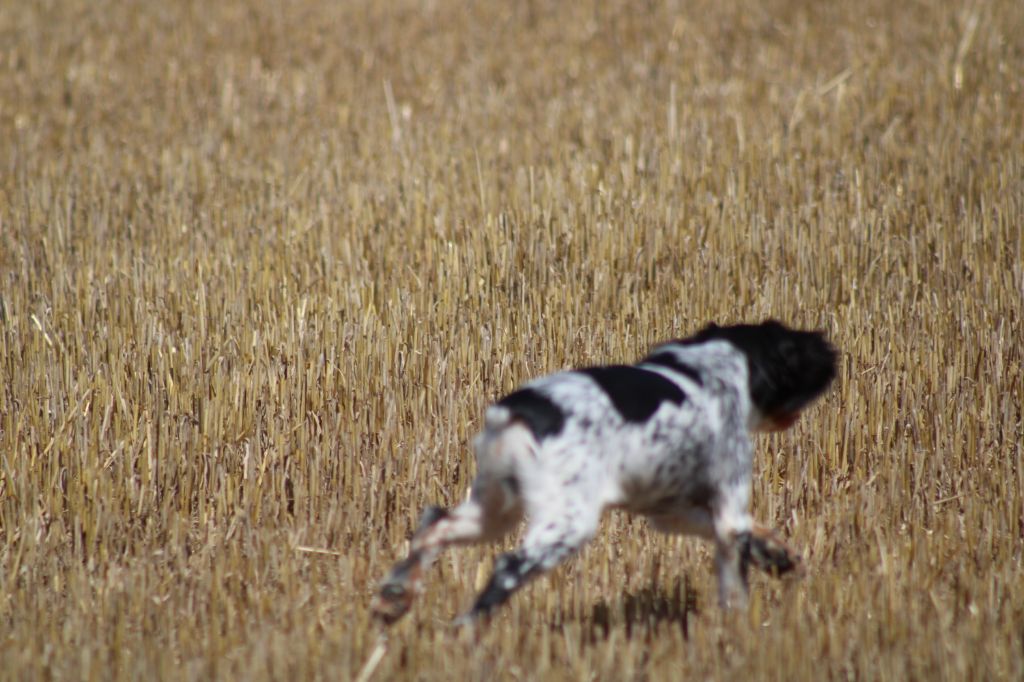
262,265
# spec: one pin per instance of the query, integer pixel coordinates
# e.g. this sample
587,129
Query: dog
667,438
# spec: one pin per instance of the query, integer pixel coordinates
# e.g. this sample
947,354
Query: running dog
667,438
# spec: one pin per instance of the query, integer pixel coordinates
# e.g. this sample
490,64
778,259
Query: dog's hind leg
439,528
492,510
555,533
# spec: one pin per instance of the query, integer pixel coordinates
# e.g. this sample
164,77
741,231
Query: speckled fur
679,454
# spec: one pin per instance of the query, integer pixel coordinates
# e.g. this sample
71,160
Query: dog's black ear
788,368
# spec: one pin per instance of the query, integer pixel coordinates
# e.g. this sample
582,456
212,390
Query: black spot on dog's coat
538,411
676,365
636,393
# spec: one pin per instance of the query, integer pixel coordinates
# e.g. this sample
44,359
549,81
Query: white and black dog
668,438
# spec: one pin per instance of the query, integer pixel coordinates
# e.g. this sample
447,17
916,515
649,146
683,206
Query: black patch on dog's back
538,411
636,393
676,365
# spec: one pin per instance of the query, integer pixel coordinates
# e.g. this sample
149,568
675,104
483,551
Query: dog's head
788,368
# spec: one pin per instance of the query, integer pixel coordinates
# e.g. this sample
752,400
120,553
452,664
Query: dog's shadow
643,612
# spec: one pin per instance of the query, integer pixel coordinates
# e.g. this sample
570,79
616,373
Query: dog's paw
769,553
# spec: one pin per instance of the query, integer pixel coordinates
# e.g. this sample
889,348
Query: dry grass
262,267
